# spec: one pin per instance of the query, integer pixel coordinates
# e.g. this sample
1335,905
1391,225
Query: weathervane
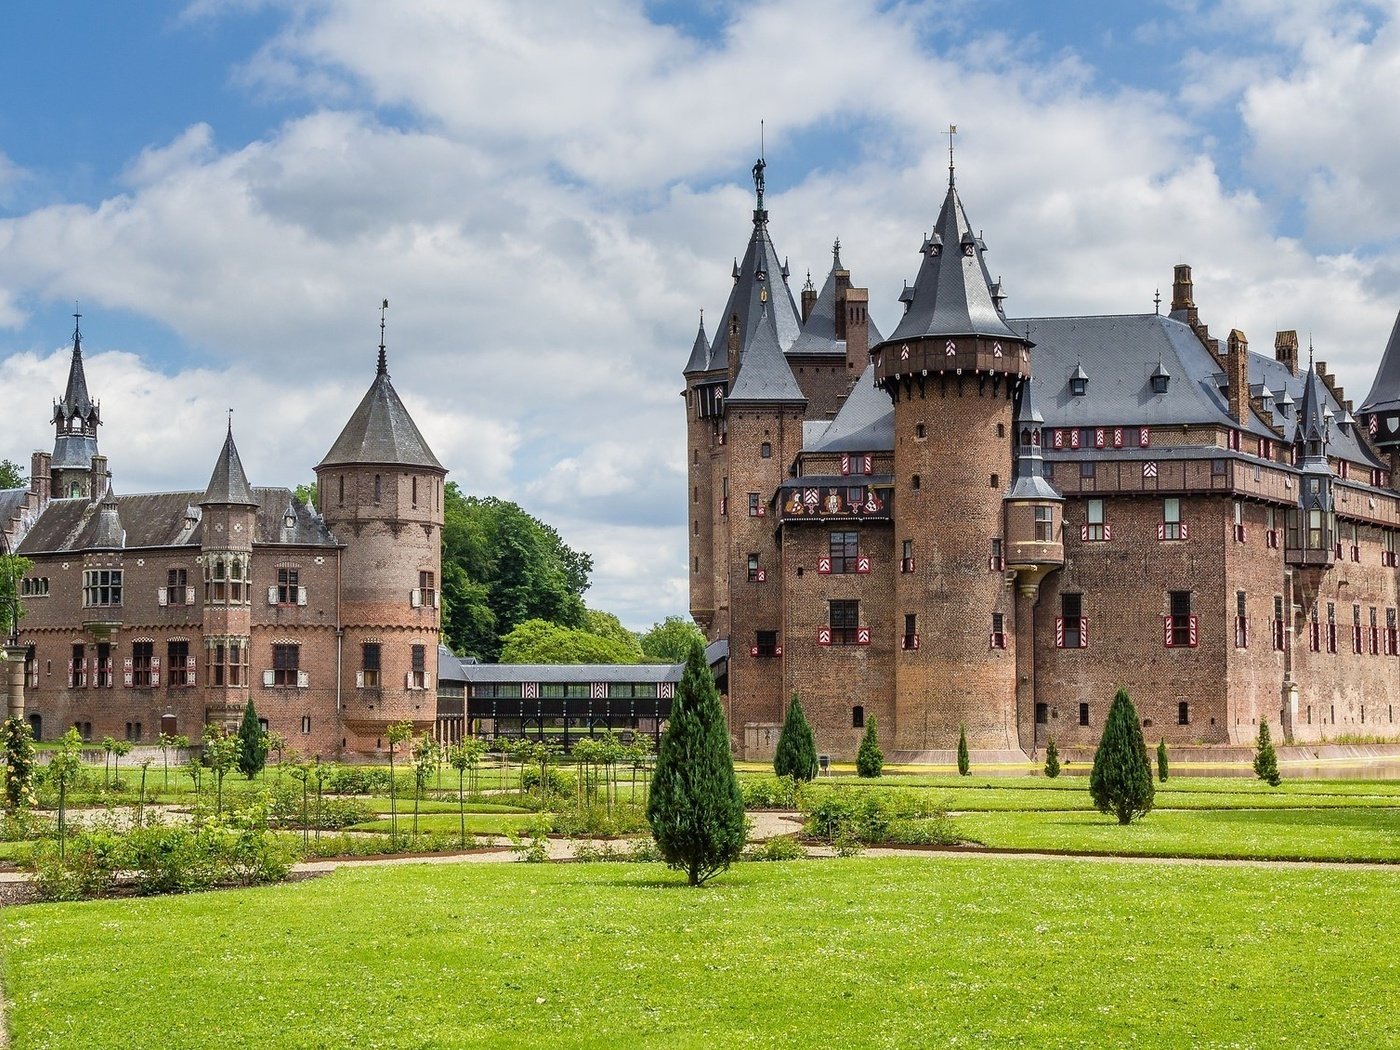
952,130
1157,301
383,356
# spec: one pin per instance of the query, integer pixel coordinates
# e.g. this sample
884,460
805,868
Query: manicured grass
1319,834
448,823
870,953
971,798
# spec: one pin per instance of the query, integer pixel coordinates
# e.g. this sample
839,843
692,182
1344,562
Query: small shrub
870,760
770,792
88,868
922,831
562,784
874,816
1162,761
1052,759
531,844
782,847
847,844
796,754
1121,780
964,761
1265,758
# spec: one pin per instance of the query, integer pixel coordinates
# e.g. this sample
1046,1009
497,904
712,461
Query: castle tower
379,489
951,368
75,420
1381,410
1312,526
228,520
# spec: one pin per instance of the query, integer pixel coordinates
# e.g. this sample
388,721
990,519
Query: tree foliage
1052,759
1162,761
540,642
306,494
796,755
870,760
695,809
12,568
964,760
12,475
252,743
17,753
669,641
1121,780
501,567
1265,758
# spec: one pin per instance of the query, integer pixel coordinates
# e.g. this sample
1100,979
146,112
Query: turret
75,419
1312,526
1380,411
1034,508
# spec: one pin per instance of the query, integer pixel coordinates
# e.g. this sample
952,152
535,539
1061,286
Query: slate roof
569,672
380,430
1028,478
952,294
761,270
74,450
699,353
1385,391
169,519
865,422
764,374
1343,442
12,502
818,332
76,401
229,484
449,667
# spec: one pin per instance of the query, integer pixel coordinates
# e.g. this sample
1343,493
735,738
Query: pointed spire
764,374
836,255
1382,404
228,484
107,530
1312,421
952,130
700,351
76,401
383,369
1028,472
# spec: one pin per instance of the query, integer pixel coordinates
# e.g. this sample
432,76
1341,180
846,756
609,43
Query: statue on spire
758,167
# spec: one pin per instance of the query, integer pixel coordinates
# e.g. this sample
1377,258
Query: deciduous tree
540,642
669,641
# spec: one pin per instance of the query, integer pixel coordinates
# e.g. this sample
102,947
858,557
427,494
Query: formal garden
868,905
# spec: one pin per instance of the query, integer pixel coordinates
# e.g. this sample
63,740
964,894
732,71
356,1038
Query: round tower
380,491
951,368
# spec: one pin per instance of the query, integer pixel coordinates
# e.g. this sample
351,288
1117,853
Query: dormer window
1079,382
1160,378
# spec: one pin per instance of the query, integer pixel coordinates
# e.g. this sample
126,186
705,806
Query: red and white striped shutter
1058,438
824,565
1167,631
911,564
1059,632
916,643
155,670
762,576
189,595
862,636
1074,438
1098,437
70,674
762,511
869,464
823,635
162,596
1107,531
1084,632
1117,437
1161,530
1191,626
1144,437
753,650
1185,531
845,464
862,563
111,678
777,650
359,679
1083,532
191,671
303,679
128,675
599,690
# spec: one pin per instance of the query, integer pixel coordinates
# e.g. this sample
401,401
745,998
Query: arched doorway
36,725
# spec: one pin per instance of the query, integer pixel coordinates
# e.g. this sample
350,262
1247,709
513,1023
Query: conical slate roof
380,431
952,294
1311,425
1385,391
107,531
760,297
229,484
764,374
76,400
1028,473
699,352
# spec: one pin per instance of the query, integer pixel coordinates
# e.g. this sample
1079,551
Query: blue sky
549,194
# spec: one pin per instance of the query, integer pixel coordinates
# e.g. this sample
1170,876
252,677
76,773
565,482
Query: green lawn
872,953
1318,834
448,823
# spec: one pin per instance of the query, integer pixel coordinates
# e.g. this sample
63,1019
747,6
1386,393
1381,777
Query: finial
230,422
77,335
952,130
808,286
1310,352
383,357
1157,301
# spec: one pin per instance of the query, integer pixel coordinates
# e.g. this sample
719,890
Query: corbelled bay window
102,588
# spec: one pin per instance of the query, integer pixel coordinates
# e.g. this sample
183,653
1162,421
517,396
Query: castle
989,524
165,612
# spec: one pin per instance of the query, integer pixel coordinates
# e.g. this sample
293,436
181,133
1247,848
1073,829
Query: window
1279,633
755,573
418,667
753,504
1356,628
765,450
1392,639
286,659
102,587
919,431
845,622
175,580
858,717
911,631
1183,713
906,561
996,563
305,725
1375,634
1094,529
1086,470
288,587
34,586
215,675
1070,628
915,482
1181,625
1045,524
178,669
765,643
378,489
1042,714
1083,713
133,732
723,497
1331,627
340,491
235,581
1241,624
998,630
413,496
77,668
1171,527
844,549
427,589
1270,528
104,665
1314,632
369,665
142,661
1240,532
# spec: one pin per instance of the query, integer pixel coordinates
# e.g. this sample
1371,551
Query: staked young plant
64,765
1265,758
695,808
220,755
964,761
397,733
870,760
108,746
796,754
1121,780
1162,761
120,749
141,797
1052,759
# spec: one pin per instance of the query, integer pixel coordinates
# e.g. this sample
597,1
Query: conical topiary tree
870,760
695,809
1265,759
252,743
1052,759
796,755
1162,761
964,763
1121,781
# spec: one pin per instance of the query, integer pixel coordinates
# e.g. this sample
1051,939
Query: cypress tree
695,809
252,743
796,755
1121,781
964,763
1265,760
870,760
1052,759
1162,761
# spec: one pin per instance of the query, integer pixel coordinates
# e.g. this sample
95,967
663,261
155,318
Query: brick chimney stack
1238,372
40,481
98,488
857,332
1286,349
1182,293
809,298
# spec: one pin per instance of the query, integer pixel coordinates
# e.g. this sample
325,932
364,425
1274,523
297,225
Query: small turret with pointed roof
699,351
1313,429
1381,408
107,532
228,484
1028,474
75,419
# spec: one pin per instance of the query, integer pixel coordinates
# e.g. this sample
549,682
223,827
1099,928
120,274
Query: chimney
1286,349
40,481
809,299
857,332
843,284
99,477
1182,291
1238,373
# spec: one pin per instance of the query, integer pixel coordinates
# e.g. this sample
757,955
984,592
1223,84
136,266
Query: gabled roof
229,484
865,422
700,352
764,374
952,294
760,298
818,332
380,431
1385,391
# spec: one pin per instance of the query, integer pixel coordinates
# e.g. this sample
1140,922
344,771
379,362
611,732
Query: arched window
858,717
